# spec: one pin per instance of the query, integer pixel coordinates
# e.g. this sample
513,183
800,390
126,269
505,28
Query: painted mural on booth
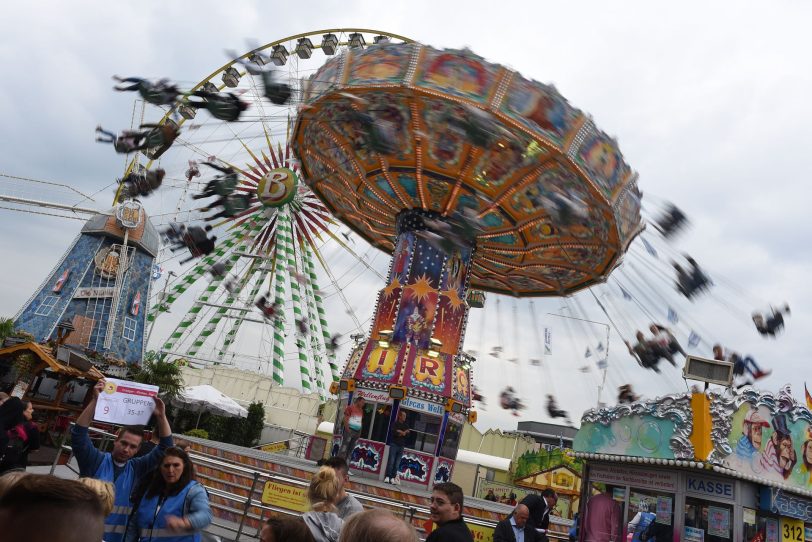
643,436
771,446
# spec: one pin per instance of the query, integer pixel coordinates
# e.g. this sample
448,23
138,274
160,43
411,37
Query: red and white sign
125,403
644,478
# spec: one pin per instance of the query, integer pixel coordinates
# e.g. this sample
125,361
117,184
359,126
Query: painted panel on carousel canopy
380,364
431,374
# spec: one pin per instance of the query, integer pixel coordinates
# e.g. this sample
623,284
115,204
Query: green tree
253,424
164,374
240,431
6,329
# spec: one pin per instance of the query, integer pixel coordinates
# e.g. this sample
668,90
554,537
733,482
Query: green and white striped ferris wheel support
199,270
322,317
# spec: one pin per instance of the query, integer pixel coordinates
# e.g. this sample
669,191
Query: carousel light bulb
304,48
329,44
279,55
383,343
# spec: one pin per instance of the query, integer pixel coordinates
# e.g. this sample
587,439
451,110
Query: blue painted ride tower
101,286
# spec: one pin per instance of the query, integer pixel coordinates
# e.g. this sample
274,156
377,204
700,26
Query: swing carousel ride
474,178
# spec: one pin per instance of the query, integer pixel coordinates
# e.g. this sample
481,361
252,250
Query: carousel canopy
468,134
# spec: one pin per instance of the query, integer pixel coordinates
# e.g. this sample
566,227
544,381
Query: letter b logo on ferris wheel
277,187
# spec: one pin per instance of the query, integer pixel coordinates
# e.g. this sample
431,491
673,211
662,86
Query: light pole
606,364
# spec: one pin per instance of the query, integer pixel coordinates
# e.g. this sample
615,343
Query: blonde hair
374,525
324,489
105,490
9,479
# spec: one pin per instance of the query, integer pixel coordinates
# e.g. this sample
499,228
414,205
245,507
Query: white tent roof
325,427
205,398
487,461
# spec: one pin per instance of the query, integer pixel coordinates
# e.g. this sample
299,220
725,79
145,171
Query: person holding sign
119,466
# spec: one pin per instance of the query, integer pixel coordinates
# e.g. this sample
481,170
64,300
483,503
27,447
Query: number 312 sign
125,403
792,530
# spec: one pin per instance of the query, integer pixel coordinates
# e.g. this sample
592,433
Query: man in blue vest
119,466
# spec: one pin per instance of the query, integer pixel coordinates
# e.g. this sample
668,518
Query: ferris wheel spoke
235,326
193,276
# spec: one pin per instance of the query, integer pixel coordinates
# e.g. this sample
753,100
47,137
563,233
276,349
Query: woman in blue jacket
174,507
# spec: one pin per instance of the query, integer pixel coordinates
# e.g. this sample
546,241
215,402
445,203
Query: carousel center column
410,362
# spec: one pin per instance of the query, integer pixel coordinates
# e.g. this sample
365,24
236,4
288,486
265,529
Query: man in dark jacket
515,527
540,508
446,505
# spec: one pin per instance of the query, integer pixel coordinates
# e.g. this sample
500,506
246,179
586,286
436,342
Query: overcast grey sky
709,101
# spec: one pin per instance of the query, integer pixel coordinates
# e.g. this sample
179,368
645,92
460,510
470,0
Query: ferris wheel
279,262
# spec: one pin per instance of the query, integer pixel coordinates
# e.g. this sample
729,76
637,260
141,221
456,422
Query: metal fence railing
243,505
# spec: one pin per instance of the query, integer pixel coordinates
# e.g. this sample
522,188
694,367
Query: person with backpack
11,414
174,507
22,439
640,522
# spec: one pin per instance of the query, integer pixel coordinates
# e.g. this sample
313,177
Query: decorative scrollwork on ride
676,408
725,404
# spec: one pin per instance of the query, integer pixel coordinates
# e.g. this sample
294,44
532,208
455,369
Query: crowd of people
120,495
145,491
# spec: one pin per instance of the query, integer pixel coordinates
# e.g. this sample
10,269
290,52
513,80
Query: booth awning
485,460
45,354
325,427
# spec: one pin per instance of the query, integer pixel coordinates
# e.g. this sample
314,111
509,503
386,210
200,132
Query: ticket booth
721,467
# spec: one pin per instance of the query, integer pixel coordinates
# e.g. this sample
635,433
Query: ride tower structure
100,287
471,176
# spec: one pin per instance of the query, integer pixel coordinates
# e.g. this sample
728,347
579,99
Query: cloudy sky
709,101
